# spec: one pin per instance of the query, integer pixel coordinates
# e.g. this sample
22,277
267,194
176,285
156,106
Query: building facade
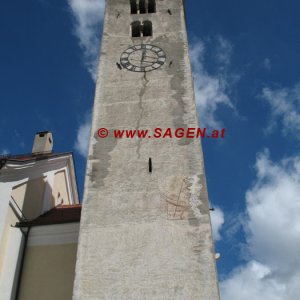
39,227
47,267
145,229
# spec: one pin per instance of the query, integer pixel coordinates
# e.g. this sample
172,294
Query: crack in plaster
145,82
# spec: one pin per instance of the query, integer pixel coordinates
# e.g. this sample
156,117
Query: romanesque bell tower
145,228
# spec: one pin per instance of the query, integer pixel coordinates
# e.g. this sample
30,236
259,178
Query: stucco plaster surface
145,235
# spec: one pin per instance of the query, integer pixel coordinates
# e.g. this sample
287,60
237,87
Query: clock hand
147,61
143,55
150,57
142,61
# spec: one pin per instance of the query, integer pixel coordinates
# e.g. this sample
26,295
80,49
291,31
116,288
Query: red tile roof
57,215
29,157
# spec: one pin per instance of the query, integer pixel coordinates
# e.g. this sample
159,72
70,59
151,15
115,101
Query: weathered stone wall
145,235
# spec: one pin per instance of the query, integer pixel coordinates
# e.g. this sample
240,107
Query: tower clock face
143,58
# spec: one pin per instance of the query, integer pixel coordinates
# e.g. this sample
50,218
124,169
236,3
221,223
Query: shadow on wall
30,197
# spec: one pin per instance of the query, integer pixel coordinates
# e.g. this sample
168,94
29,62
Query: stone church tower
145,230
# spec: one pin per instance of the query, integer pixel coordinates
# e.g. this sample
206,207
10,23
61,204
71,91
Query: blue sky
245,57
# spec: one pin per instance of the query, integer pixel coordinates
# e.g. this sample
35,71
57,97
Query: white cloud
217,220
272,228
285,109
224,51
88,17
4,152
251,282
267,63
83,136
210,90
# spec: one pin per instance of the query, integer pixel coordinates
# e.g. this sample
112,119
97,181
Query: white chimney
43,143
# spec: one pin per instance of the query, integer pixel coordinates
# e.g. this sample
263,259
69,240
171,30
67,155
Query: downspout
26,236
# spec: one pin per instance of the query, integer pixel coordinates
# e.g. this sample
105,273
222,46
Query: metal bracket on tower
119,65
150,165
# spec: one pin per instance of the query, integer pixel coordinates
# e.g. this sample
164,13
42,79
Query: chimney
43,143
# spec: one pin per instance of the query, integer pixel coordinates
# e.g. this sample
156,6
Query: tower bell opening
151,6
133,7
147,28
136,29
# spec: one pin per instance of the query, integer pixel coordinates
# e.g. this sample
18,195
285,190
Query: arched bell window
151,6
142,7
136,29
133,7
147,28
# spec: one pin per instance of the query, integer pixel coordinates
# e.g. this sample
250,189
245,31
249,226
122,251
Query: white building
39,220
